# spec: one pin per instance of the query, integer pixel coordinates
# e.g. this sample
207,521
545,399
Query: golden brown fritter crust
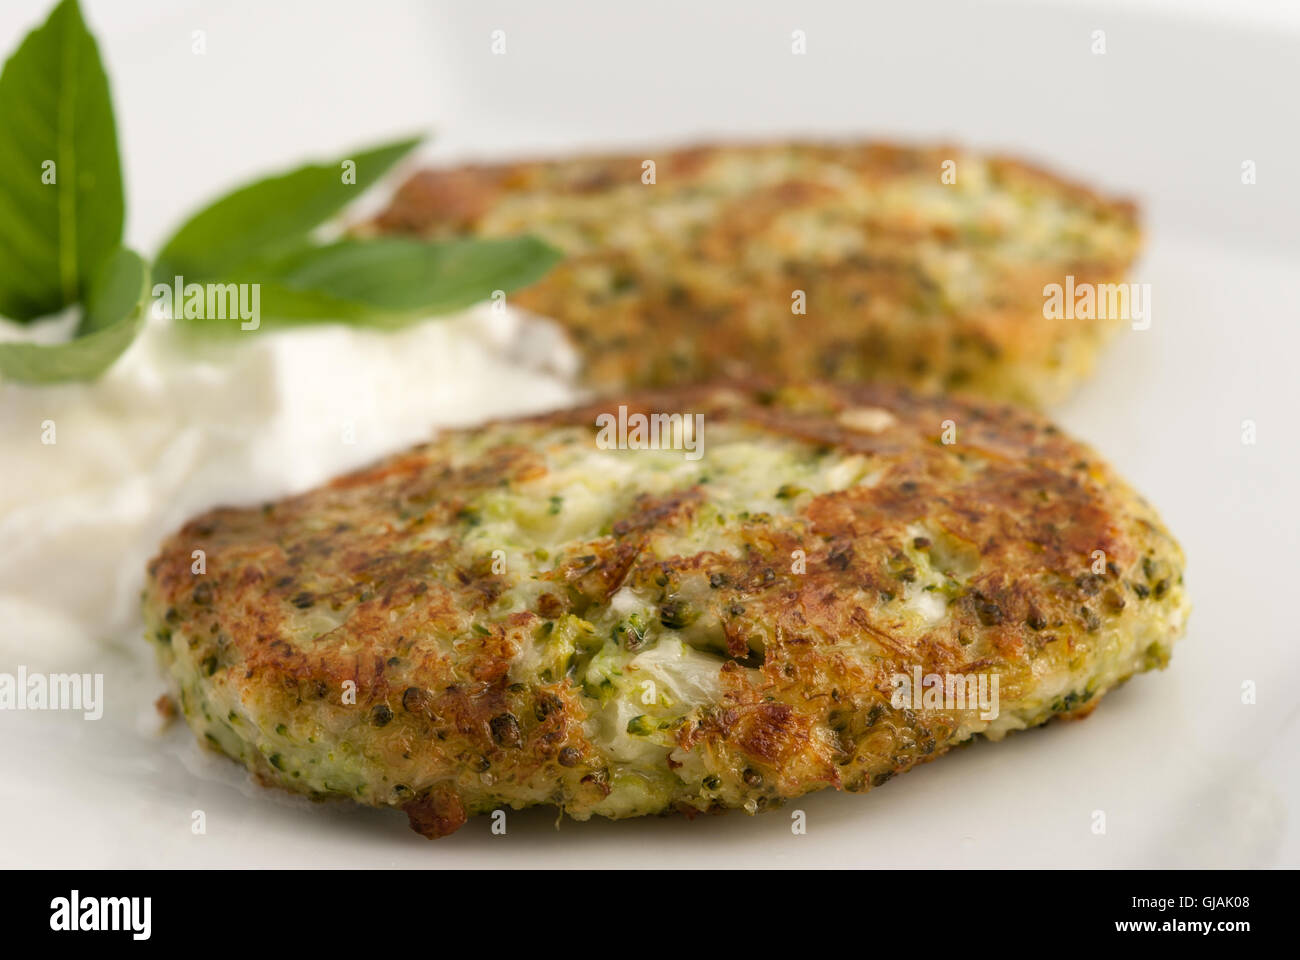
906,277
769,594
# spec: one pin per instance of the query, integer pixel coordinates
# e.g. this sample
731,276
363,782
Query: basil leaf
113,316
271,215
391,281
61,206
407,278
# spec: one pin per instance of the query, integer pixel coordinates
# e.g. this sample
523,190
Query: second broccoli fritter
849,262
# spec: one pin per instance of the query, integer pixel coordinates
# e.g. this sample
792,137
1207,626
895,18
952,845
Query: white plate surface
1186,773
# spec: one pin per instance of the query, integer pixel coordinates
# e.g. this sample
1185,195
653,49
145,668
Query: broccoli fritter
559,610
850,262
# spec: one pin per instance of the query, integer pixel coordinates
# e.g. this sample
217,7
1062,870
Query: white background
1187,774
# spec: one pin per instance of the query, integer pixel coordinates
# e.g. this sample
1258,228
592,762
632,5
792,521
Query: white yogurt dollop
179,425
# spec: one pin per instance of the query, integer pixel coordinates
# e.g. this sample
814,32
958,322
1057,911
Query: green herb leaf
61,205
113,316
391,281
403,279
271,216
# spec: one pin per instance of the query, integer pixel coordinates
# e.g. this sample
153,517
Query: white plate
1185,772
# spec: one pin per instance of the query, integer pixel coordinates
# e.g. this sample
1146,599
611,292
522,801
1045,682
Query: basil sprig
262,234
62,212
61,206
60,186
